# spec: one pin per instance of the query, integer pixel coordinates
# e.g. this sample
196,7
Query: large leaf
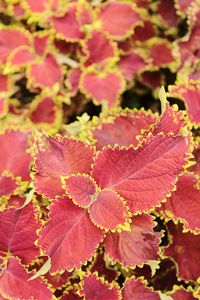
184,249
60,157
18,233
69,238
136,246
184,203
15,285
142,176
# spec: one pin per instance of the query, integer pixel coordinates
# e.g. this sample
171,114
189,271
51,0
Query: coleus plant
85,219
108,207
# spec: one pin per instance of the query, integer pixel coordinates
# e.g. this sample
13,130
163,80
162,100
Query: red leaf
131,64
196,152
44,111
108,211
7,185
61,157
118,18
4,86
144,32
3,105
68,27
165,56
10,39
69,238
41,42
21,57
15,201
99,49
13,156
191,96
122,129
182,247
143,176
95,289
136,289
18,233
166,9
134,247
184,203
15,285
171,121
81,189
152,79
183,295
45,73
72,82
101,267
104,88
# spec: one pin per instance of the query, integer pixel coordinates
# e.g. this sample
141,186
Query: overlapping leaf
69,238
13,154
60,157
142,176
18,233
135,289
182,246
105,207
136,246
122,129
95,288
15,285
184,203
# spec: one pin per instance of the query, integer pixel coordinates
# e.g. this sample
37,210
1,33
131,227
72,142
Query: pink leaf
105,88
95,288
45,73
118,18
69,238
15,285
18,233
136,289
134,247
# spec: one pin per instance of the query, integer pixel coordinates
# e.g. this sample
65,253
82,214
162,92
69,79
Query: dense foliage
99,163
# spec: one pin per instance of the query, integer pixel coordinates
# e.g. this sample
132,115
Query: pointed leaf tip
163,99
43,270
